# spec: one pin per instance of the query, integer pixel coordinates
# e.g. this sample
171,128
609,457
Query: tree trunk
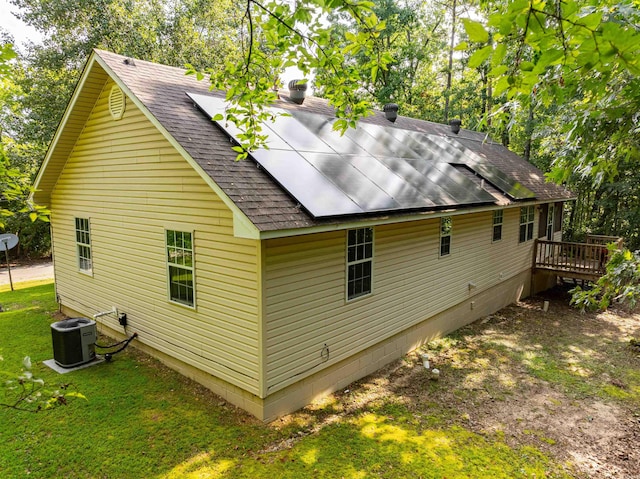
447,92
529,131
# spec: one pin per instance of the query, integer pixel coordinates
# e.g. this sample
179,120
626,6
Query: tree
276,36
174,33
584,56
14,185
411,38
43,78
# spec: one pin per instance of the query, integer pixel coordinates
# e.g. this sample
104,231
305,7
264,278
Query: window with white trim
527,216
498,219
180,267
551,212
83,245
446,228
359,262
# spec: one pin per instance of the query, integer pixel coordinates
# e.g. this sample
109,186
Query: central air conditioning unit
74,341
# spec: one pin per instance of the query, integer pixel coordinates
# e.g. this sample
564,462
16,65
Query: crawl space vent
117,102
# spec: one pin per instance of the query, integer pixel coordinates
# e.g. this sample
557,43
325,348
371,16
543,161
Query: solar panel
356,183
500,180
482,168
319,195
391,180
322,127
297,136
369,169
417,142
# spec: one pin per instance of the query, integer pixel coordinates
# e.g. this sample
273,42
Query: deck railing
604,240
571,257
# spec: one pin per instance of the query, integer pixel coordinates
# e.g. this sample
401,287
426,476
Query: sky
21,32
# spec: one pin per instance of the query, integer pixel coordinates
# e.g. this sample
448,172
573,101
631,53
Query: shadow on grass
582,355
375,445
143,420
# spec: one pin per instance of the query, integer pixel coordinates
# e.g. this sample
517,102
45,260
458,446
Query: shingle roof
162,90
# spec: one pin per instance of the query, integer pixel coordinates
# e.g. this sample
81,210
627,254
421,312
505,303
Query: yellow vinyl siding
74,121
132,184
305,287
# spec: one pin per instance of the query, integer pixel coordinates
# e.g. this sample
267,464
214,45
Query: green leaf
374,73
498,55
548,58
218,117
480,56
497,71
475,30
526,66
461,47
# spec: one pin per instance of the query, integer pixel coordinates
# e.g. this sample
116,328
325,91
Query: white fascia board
245,227
65,118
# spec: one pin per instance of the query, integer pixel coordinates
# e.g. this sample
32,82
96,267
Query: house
270,281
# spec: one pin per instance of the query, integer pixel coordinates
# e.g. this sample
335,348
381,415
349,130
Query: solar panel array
370,169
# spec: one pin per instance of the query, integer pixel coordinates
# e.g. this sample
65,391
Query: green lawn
142,420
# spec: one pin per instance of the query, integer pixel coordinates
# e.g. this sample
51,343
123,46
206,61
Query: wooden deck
574,260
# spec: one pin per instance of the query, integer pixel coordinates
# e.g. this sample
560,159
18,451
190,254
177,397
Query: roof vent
297,91
129,61
455,125
391,111
117,102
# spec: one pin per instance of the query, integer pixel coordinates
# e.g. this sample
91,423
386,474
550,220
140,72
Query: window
446,225
498,218
527,215
180,267
550,219
83,245
359,262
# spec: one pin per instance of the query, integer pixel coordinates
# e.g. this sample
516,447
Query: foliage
173,33
410,39
24,392
15,187
619,285
582,55
278,35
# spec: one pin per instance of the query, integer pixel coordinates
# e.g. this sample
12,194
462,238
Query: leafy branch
24,392
279,36
619,285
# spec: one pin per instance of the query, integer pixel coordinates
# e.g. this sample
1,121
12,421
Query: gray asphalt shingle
163,89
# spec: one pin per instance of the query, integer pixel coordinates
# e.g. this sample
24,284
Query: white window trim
88,272
191,268
364,260
449,235
494,224
528,222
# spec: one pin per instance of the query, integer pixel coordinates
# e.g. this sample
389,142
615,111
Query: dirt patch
563,382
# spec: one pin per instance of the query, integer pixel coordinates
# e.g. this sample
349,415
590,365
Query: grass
144,420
